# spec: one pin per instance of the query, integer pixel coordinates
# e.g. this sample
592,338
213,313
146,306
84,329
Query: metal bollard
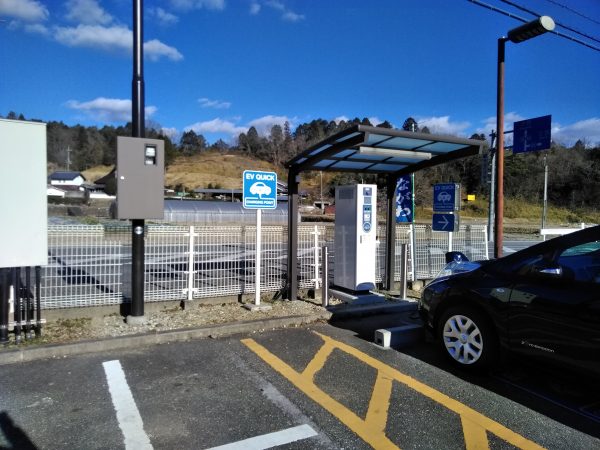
325,277
403,269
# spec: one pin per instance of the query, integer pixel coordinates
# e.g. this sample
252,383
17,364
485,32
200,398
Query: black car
542,302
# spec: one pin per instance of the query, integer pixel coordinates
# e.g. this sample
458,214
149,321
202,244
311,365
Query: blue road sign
404,200
446,197
260,189
444,222
532,135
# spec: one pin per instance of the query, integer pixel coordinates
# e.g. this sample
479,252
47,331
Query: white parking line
128,415
271,440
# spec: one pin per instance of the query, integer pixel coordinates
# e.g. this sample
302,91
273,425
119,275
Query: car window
582,262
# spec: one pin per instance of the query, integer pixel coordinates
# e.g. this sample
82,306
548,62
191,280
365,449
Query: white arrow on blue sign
444,222
260,189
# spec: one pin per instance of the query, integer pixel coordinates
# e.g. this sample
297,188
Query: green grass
520,211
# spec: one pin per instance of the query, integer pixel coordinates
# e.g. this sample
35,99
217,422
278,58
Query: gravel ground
193,316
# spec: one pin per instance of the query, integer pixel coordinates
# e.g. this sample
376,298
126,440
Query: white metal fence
91,265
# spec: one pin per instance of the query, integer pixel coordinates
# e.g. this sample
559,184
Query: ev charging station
355,237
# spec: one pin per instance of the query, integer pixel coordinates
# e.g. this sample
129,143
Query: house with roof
64,178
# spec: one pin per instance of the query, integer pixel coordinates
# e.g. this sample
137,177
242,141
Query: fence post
325,277
403,269
4,288
38,300
190,290
316,257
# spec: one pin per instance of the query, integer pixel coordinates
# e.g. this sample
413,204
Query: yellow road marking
318,361
380,402
372,429
376,439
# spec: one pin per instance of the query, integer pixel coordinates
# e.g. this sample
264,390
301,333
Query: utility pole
68,158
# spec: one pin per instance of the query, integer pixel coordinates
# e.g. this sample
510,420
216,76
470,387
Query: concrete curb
148,339
343,311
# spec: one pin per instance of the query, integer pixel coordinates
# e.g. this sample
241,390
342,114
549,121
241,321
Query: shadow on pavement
14,435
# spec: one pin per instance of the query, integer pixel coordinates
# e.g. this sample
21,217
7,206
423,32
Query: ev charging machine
355,237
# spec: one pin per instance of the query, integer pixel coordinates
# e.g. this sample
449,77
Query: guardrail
559,231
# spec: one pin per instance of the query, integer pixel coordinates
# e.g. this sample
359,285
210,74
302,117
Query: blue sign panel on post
260,189
404,200
532,135
445,197
444,222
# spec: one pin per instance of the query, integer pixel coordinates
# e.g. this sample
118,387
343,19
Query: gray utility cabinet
140,178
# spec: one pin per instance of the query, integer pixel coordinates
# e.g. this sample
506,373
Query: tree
192,143
410,124
385,124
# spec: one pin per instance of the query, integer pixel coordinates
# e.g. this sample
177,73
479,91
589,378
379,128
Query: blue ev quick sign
446,197
260,189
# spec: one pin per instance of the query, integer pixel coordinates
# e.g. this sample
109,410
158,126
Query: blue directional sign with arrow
532,135
445,222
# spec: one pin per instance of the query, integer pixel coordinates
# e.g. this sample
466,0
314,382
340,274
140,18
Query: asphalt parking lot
319,387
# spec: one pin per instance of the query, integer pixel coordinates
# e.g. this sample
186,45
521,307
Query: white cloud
164,17
95,36
490,122
264,124
291,16
216,104
170,132
443,125
339,119
230,126
217,126
112,38
30,10
587,130
87,12
375,121
254,8
108,110
217,5
155,49
286,14
37,28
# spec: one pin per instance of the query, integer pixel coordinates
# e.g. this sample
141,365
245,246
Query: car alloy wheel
463,339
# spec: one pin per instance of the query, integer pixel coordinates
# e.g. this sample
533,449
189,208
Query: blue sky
220,66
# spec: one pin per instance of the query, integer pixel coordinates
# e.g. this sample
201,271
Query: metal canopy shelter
365,149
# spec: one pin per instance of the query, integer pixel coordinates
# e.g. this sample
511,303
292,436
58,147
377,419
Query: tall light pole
517,35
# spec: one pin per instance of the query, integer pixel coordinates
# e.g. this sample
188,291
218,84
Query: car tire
467,338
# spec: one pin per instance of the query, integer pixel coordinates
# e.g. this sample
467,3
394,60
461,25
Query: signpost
259,192
532,135
446,204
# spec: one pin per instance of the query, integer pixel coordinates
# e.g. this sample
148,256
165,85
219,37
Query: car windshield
454,268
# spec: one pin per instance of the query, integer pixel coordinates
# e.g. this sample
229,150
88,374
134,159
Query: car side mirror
553,272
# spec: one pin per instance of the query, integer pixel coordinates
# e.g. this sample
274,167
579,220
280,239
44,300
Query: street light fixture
522,33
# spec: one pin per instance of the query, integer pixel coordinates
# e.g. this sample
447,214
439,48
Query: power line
521,19
522,8
573,11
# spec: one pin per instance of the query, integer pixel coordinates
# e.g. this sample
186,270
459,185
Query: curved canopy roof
367,149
